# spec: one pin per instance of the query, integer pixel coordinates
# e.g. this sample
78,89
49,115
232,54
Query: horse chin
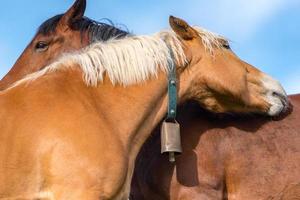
275,96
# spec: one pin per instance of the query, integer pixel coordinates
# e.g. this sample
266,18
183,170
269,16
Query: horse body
65,150
250,158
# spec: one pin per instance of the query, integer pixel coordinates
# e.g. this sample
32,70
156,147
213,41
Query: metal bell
170,139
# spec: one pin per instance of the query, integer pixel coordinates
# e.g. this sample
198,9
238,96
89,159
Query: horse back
254,157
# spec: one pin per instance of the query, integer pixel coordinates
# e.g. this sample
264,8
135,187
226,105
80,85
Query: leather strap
172,90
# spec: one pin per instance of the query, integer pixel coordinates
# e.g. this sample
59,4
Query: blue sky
265,33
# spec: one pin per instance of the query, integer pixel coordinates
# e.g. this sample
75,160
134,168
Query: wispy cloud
238,19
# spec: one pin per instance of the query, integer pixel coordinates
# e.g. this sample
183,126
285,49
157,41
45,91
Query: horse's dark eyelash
41,46
226,46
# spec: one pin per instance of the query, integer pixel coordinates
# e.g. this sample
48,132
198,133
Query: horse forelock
97,31
211,40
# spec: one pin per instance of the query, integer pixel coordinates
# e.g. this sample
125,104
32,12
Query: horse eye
41,46
226,46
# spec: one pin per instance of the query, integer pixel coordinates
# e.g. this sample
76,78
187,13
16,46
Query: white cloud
238,19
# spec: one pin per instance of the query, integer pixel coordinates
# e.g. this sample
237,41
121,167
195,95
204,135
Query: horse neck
133,111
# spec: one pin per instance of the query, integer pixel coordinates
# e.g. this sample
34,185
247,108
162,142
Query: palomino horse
61,138
244,158
59,34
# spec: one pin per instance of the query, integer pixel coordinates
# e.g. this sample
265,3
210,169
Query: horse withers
65,137
62,33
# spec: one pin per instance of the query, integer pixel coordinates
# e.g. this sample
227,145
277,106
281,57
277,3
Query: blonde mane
211,40
129,60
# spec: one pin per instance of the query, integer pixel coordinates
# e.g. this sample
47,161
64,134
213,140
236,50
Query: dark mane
98,31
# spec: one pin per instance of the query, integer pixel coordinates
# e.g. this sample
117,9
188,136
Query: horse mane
128,60
212,40
98,31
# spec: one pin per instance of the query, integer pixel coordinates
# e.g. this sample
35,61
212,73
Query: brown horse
63,139
224,158
59,34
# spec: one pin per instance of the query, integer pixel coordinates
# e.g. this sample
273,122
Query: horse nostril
275,94
281,96
278,94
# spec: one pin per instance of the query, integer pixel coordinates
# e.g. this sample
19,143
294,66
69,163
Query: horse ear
182,28
74,13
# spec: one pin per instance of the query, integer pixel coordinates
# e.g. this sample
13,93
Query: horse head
219,80
62,33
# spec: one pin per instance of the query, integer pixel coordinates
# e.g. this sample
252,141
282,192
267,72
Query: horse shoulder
52,131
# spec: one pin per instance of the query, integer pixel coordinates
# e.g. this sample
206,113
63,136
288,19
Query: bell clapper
172,157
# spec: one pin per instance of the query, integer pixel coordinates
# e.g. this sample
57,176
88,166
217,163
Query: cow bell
170,139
